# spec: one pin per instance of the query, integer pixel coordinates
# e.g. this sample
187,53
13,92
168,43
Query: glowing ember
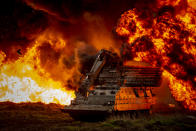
165,38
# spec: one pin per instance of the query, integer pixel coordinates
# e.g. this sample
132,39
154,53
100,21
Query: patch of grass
156,122
106,124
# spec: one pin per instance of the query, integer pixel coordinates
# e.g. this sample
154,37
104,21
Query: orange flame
182,91
166,40
26,79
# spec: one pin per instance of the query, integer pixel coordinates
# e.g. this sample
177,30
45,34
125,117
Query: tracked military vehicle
112,87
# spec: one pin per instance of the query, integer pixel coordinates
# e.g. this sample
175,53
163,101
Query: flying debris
19,51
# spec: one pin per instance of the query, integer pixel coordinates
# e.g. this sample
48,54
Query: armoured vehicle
112,87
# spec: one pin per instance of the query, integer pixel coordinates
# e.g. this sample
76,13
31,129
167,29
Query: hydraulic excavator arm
94,72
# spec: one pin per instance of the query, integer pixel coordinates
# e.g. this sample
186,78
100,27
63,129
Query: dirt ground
39,116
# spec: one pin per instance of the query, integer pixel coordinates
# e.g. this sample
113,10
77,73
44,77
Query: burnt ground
39,116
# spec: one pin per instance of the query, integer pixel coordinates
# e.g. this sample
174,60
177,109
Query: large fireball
165,36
